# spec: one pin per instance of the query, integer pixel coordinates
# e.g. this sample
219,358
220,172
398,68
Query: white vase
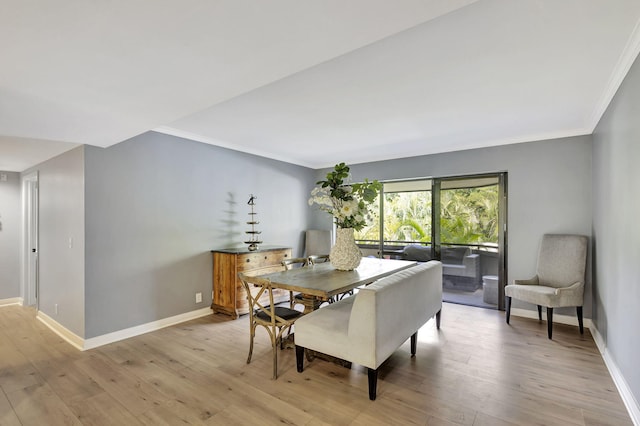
345,255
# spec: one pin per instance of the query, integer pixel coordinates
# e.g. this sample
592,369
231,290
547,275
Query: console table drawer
251,261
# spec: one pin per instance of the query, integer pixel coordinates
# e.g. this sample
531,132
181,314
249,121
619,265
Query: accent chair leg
299,358
438,317
373,382
539,313
549,321
414,343
507,303
580,322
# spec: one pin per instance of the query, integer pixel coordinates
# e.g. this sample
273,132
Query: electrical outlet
198,297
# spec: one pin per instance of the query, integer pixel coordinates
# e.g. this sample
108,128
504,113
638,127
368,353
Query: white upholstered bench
368,327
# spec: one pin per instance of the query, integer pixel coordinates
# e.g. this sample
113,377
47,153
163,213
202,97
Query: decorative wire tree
253,241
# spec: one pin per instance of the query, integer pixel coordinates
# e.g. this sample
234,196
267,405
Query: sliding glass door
458,220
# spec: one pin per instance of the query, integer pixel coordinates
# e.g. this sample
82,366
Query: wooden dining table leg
311,303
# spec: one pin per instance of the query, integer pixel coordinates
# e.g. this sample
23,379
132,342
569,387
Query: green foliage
348,203
467,216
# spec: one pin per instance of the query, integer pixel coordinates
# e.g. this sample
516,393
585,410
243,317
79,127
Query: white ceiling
314,82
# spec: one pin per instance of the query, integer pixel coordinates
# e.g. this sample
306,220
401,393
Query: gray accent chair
559,279
317,242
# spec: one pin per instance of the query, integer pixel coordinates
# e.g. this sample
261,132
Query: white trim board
11,301
71,338
94,342
560,319
623,387
622,67
105,339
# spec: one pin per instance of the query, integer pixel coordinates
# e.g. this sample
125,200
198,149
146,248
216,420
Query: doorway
471,238
30,239
460,221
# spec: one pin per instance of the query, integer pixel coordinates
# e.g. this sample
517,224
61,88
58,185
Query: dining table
321,282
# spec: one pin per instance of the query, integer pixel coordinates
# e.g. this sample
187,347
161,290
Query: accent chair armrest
570,296
577,286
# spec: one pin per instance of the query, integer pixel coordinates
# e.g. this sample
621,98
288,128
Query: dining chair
275,319
318,258
295,262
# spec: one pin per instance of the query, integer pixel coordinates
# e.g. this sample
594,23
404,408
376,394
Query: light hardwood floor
475,371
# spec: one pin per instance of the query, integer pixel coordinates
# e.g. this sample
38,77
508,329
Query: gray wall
10,232
155,207
549,191
616,228
61,218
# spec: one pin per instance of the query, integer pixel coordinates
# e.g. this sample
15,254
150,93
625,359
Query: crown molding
224,144
625,61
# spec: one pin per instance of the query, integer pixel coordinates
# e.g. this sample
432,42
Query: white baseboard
597,337
623,388
560,319
68,335
116,336
94,342
11,301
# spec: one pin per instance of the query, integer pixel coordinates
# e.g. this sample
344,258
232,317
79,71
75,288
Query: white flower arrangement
348,203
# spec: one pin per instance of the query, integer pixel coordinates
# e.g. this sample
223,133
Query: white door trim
29,273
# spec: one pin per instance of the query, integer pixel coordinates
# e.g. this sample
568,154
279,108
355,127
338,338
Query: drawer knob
248,260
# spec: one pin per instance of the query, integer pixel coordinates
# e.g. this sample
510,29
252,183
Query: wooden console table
228,295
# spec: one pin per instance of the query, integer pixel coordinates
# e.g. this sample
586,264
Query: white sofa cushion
326,332
368,327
